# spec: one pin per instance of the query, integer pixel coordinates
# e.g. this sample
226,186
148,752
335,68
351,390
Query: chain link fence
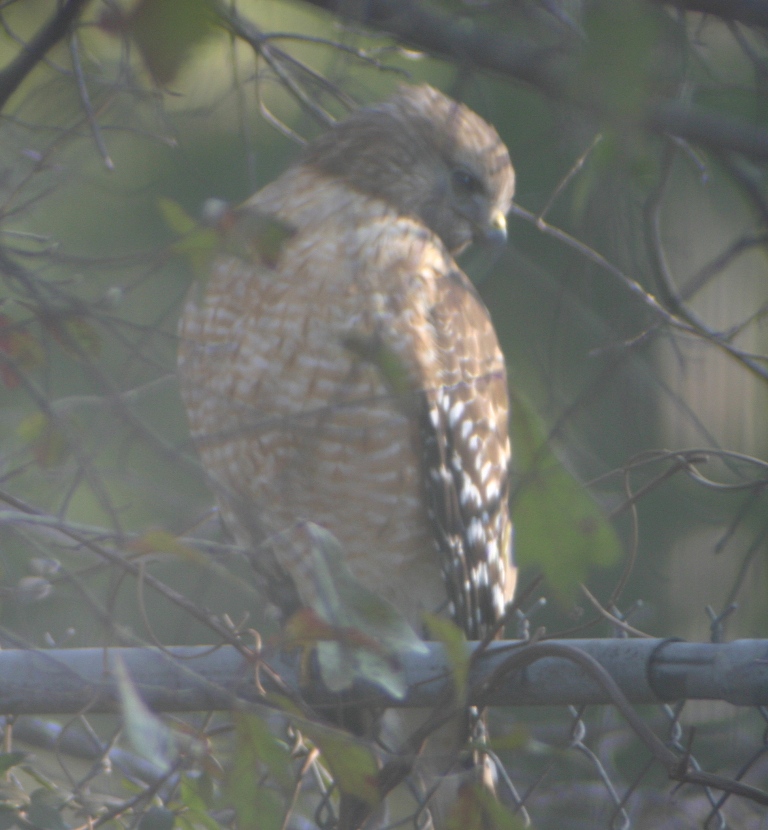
631,306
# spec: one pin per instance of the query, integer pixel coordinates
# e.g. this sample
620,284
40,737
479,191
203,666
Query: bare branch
547,68
751,12
55,29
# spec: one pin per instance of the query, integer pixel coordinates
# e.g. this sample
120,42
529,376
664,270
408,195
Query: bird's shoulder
346,256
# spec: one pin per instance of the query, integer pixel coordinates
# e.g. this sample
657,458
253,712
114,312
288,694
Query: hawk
349,374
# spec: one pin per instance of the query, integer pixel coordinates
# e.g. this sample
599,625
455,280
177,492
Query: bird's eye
465,182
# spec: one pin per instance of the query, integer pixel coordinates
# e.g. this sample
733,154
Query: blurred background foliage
630,301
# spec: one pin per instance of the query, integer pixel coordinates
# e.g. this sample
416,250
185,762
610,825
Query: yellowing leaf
73,332
177,219
476,808
21,347
558,527
242,232
47,441
26,349
253,235
515,739
84,334
305,629
161,541
197,243
393,371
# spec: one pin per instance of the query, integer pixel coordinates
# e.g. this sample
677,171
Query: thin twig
85,100
32,53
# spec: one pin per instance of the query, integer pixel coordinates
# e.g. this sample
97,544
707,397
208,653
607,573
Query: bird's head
429,156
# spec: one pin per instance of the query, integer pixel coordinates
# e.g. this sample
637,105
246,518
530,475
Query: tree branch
33,52
550,69
751,12
461,40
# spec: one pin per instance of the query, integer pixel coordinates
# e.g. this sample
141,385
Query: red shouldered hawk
352,376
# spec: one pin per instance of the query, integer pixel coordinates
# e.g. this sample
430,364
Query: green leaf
266,750
196,809
197,243
165,31
364,635
558,527
9,817
43,811
148,735
157,818
455,643
259,753
345,601
8,760
250,234
351,761
341,664
630,38
477,808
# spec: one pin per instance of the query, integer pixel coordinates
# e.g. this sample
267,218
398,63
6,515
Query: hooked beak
496,230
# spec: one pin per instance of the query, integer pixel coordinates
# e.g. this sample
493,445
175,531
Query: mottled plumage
353,377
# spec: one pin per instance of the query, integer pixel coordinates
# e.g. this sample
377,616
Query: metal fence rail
508,673
578,743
